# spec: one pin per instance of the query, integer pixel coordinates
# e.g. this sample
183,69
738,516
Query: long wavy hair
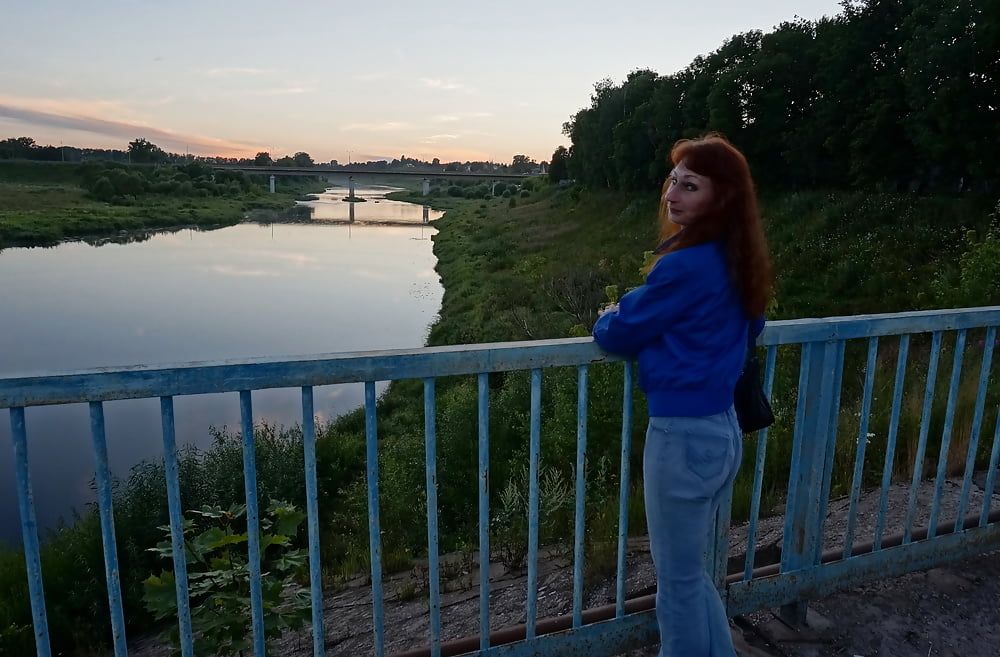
733,220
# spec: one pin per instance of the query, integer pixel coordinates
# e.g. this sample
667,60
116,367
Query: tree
522,164
142,151
263,159
17,147
559,169
302,159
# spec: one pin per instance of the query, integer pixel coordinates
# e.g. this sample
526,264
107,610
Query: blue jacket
689,330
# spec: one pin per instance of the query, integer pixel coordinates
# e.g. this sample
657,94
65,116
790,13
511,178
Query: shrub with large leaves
219,578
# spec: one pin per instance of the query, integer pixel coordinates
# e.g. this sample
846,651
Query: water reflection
370,206
179,296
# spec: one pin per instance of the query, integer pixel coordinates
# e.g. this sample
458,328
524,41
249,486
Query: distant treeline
142,151
900,95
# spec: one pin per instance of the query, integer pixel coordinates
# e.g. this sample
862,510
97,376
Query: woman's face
689,196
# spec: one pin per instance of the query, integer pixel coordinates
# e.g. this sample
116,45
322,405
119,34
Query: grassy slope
514,273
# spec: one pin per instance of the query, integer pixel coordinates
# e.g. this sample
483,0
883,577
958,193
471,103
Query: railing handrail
823,329
148,381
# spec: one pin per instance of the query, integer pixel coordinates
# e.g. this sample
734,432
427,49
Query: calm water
316,286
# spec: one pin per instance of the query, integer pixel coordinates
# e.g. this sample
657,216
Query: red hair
734,220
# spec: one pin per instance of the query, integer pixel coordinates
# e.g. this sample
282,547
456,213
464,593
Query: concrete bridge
329,173
325,171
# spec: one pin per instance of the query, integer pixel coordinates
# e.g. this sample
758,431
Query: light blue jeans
688,465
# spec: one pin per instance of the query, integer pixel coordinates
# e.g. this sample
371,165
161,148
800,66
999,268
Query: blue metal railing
804,569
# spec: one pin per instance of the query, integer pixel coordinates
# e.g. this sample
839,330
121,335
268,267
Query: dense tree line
890,94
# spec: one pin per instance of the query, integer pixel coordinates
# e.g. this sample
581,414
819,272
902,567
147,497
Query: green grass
41,204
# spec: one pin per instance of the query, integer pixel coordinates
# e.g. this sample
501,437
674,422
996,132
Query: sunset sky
449,79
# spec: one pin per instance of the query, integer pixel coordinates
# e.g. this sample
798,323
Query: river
343,277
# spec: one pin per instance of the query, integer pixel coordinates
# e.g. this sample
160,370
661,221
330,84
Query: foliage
509,525
142,151
522,164
120,184
302,159
71,555
219,578
17,147
558,168
976,279
815,103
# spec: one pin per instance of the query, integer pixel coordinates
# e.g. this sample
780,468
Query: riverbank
41,205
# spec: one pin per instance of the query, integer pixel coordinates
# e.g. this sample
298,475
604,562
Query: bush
976,280
455,190
196,170
219,579
72,561
127,183
510,520
165,187
525,193
102,189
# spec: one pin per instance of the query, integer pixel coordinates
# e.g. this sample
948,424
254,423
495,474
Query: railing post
815,428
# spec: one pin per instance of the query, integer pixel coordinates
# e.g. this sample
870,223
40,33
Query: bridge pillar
493,189
427,191
427,214
350,187
272,183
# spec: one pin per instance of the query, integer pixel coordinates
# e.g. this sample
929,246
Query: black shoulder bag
753,410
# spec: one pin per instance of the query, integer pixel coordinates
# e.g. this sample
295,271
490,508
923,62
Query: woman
689,326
